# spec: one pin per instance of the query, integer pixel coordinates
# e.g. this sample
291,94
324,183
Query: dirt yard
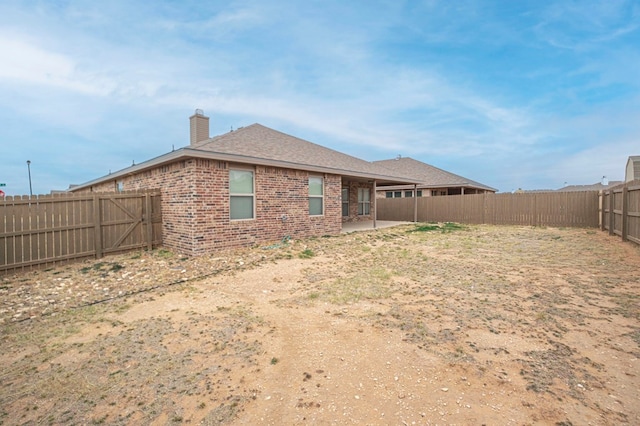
401,326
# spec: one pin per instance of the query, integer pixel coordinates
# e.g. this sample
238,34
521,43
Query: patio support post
415,203
375,204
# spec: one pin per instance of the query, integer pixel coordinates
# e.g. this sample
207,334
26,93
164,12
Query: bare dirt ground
407,325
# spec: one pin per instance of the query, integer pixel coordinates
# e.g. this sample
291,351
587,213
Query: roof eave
185,153
445,185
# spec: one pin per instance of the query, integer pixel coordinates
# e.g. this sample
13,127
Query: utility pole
29,169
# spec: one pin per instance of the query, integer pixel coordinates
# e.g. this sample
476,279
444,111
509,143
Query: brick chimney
199,125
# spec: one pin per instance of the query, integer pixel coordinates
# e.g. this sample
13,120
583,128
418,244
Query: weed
274,361
115,267
444,227
306,254
164,253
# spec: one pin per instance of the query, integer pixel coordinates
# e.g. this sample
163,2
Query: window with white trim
345,201
241,194
364,201
316,196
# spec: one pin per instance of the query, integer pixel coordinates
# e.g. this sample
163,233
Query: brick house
251,186
432,180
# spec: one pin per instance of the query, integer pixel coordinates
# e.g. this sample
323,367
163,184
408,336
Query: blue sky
513,94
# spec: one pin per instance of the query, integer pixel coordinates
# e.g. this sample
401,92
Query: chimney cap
199,112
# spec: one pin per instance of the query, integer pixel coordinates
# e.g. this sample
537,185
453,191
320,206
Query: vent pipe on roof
605,181
199,127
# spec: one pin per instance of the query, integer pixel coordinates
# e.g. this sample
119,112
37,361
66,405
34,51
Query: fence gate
45,230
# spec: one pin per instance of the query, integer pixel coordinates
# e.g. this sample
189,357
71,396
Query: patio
368,225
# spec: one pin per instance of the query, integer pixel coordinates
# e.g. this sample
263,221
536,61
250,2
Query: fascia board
185,153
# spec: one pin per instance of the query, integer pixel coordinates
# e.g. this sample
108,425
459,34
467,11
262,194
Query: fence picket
42,230
616,210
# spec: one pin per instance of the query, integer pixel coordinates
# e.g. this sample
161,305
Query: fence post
612,215
147,217
625,212
415,203
97,226
601,207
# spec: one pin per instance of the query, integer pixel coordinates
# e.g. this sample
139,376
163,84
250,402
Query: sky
512,94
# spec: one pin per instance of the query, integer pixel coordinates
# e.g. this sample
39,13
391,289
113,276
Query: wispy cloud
503,93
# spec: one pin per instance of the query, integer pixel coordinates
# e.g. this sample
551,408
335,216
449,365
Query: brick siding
353,202
195,205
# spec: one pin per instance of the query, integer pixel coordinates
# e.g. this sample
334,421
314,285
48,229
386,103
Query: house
432,180
633,169
251,186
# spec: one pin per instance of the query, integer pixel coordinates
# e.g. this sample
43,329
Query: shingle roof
260,142
260,145
593,187
428,175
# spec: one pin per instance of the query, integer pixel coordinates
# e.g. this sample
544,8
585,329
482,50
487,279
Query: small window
419,192
241,194
345,201
316,196
364,203
397,194
389,194
408,194
119,186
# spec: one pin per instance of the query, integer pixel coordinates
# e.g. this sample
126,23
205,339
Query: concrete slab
366,225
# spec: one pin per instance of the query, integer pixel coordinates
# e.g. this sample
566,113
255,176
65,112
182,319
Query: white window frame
364,206
316,196
345,201
252,195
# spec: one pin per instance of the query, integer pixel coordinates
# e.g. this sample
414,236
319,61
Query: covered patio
366,225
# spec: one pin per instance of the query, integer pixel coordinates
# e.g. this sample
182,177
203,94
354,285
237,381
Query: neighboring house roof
428,175
260,145
594,187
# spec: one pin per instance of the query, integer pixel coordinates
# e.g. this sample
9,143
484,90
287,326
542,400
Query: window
419,191
345,201
389,194
397,194
119,186
241,194
316,196
408,194
363,201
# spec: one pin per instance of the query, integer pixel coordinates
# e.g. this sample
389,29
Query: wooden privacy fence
570,209
44,230
621,211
